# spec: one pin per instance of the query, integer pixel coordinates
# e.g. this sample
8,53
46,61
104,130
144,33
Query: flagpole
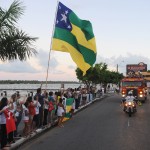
51,42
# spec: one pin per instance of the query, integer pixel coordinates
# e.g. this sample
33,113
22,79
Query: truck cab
135,83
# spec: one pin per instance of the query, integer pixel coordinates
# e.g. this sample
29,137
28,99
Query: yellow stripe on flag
78,33
77,57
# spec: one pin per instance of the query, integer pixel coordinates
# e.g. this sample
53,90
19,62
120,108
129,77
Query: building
146,75
142,68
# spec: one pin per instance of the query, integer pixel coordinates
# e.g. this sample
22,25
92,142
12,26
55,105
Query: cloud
17,67
43,57
35,64
72,67
122,61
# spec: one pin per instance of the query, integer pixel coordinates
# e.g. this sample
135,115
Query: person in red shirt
7,121
31,108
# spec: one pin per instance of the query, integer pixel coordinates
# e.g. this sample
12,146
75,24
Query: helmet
130,93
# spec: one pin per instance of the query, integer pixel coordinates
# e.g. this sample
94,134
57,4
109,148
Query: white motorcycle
130,106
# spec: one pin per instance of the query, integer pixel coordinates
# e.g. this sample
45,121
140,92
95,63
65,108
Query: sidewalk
23,140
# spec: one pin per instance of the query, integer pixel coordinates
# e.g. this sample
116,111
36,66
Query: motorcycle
129,104
130,107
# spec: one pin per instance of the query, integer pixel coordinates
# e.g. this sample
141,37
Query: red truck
135,83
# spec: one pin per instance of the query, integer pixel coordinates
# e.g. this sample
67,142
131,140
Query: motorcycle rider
130,97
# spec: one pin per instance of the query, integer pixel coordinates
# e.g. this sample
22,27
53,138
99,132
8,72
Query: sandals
8,145
5,148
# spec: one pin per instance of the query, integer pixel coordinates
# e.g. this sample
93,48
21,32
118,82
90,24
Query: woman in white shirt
60,112
36,116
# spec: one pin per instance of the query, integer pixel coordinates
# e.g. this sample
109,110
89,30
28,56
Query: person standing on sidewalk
60,112
103,91
13,100
84,97
3,123
76,96
36,116
46,105
18,114
31,107
51,113
41,109
26,129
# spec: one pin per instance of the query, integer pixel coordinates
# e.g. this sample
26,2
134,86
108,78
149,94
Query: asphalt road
101,126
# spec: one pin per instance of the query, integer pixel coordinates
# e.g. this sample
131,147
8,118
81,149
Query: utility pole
117,67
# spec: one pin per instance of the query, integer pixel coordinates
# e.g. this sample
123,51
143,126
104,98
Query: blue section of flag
62,19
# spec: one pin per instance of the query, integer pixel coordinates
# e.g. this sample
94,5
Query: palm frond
15,44
9,17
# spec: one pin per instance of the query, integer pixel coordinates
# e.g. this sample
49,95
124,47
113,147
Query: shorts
36,119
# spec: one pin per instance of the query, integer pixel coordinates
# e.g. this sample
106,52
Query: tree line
99,74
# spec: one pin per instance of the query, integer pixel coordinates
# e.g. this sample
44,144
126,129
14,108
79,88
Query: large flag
74,36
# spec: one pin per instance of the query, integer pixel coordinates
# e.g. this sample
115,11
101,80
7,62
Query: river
24,89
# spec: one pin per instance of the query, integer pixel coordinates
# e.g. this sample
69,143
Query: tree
14,43
99,74
93,75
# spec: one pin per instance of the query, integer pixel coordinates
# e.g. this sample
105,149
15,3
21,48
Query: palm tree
14,43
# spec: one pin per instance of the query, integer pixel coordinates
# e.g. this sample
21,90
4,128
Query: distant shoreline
36,82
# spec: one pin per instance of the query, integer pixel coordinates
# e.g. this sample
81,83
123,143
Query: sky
121,29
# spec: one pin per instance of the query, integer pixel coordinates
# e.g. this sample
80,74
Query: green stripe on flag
69,101
88,55
85,26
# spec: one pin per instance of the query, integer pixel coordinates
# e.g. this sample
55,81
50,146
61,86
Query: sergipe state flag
69,103
74,36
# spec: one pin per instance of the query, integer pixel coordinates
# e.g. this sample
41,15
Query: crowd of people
36,111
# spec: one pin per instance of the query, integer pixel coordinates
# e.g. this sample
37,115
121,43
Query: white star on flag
64,18
66,12
69,27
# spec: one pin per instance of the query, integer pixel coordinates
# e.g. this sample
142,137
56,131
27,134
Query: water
24,89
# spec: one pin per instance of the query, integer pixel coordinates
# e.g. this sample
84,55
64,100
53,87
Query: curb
24,140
